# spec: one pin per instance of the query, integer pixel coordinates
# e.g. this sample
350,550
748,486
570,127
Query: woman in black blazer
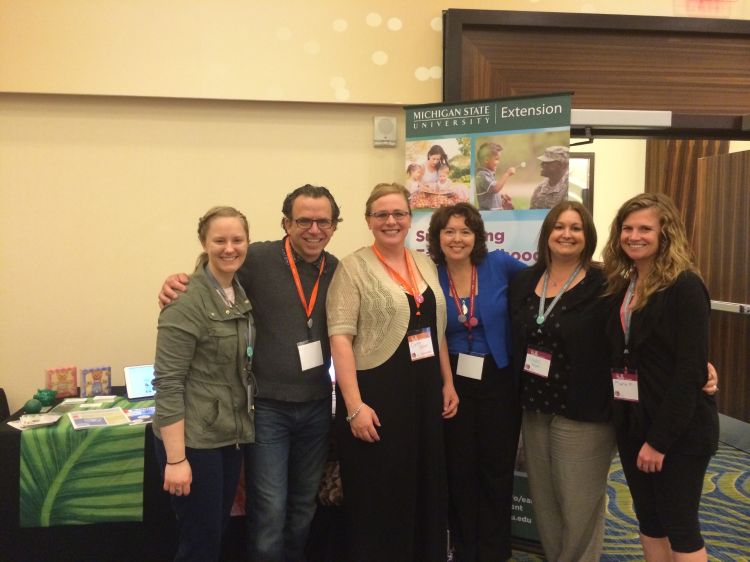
561,355
667,429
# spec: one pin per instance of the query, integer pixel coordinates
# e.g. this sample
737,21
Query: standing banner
495,154
509,158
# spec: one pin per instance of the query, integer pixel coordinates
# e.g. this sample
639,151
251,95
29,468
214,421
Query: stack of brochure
73,404
98,418
28,421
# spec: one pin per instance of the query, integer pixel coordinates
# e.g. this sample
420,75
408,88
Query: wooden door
721,241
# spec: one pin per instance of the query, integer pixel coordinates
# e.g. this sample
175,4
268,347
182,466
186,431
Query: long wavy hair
672,258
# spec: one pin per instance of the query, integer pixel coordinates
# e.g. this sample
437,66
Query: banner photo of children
438,172
508,157
521,171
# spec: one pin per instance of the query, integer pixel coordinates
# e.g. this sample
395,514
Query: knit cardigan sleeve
342,302
364,302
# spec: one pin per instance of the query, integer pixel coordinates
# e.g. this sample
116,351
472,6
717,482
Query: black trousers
481,444
203,515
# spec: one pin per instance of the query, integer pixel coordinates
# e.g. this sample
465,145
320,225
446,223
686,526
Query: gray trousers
568,464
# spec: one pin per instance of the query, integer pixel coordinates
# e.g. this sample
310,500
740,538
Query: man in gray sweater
291,359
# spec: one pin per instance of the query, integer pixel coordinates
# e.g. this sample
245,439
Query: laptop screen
139,381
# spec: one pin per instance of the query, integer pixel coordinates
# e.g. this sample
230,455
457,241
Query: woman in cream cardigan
386,321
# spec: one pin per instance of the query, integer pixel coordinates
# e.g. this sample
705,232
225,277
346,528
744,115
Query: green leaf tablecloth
70,477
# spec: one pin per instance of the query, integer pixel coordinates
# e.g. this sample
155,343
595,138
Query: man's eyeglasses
383,215
323,224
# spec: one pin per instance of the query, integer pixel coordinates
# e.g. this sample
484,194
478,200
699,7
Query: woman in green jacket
204,387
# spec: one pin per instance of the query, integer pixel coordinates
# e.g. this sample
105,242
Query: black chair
4,409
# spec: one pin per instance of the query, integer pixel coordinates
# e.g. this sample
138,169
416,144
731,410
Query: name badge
420,344
625,385
310,354
470,366
537,362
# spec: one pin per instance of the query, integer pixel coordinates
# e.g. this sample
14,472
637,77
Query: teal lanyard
230,304
542,315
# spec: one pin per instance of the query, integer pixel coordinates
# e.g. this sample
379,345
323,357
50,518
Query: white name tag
625,385
310,354
470,366
537,362
420,344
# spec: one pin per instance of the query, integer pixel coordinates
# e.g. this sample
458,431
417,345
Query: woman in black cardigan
560,352
667,429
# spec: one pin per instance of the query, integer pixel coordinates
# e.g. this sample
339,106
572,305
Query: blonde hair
205,222
673,256
383,189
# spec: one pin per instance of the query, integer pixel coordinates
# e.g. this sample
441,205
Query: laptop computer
139,382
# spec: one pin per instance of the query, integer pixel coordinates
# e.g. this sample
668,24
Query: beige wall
384,51
99,195
100,199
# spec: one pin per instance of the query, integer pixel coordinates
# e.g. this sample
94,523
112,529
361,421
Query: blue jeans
203,515
283,469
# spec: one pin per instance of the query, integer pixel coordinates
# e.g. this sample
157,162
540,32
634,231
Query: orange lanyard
308,307
412,289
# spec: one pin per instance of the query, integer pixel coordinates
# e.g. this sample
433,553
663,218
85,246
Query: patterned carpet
725,513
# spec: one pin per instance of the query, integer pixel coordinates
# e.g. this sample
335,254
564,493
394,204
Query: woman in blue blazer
481,440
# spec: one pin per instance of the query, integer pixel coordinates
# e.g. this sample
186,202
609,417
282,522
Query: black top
281,322
579,384
669,349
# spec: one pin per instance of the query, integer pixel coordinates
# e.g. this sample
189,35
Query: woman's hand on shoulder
172,287
450,401
177,478
364,423
712,383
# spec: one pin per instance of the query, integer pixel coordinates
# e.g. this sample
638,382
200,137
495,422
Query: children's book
98,418
96,381
64,380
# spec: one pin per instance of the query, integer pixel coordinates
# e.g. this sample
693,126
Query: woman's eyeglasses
383,215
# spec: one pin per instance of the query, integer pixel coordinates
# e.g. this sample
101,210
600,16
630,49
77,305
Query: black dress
395,489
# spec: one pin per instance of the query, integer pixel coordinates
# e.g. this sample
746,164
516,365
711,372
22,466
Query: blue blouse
492,335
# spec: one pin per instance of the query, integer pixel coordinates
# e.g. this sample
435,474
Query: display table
51,531
79,477
118,515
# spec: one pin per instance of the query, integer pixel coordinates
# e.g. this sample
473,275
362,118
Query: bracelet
183,459
354,415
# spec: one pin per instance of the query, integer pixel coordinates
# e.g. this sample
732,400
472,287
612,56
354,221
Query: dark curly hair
473,220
